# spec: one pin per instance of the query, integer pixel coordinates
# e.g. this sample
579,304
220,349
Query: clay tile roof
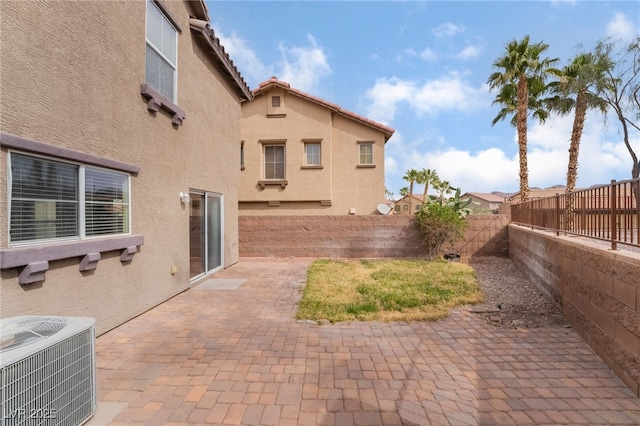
274,82
200,24
492,198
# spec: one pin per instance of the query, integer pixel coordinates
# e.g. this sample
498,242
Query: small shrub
439,224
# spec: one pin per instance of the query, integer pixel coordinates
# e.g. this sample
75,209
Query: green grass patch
386,290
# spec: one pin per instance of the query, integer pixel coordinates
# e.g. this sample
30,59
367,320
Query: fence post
614,214
557,214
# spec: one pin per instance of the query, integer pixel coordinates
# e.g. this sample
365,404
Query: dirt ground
511,300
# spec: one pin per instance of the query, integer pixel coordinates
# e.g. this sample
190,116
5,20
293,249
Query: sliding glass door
205,233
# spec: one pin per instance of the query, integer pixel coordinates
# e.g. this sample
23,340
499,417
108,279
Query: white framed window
162,52
366,153
312,154
53,200
274,162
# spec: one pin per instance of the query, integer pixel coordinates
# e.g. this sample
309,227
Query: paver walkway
231,352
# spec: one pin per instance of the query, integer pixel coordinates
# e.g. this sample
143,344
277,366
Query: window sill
366,166
276,115
264,183
318,167
155,101
34,260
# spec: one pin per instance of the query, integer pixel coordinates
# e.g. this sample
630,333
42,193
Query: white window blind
106,202
161,56
44,199
53,200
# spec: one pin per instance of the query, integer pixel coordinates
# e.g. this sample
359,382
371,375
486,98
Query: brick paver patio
222,355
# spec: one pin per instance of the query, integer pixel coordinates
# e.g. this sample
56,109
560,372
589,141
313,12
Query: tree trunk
574,151
410,197
521,125
424,193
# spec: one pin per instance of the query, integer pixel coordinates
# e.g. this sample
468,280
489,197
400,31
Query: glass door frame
206,232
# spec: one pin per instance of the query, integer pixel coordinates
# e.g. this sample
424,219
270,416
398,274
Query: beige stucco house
402,206
484,202
302,155
536,193
120,125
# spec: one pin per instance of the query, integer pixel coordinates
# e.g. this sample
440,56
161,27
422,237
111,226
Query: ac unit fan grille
29,330
55,386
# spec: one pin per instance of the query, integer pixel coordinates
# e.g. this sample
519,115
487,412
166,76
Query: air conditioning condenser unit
47,370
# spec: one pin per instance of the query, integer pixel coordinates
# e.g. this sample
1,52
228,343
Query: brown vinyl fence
607,212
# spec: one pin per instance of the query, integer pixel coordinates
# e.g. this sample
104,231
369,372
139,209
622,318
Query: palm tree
575,91
411,176
521,82
443,187
427,176
404,191
435,184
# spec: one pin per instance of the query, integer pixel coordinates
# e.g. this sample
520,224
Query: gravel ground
511,300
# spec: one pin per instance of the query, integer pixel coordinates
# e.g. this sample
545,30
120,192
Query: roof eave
202,27
199,9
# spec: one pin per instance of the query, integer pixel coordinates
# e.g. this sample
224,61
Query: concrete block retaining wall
374,236
598,291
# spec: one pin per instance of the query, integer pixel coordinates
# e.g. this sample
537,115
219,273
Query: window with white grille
274,162
312,154
366,153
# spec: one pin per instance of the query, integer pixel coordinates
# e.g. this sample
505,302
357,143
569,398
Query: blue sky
422,68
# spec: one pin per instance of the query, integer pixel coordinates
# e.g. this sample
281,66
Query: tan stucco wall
71,78
402,206
339,181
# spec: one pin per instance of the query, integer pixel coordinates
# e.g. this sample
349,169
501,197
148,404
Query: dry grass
387,290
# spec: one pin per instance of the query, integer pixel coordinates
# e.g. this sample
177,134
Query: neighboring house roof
200,25
417,197
490,198
274,82
539,193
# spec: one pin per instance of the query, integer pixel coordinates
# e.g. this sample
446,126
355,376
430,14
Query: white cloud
304,67
384,97
245,59
447,30
391,165
449,92
484,171
428,54
301,66
602,156
621,27
563,2
469,52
